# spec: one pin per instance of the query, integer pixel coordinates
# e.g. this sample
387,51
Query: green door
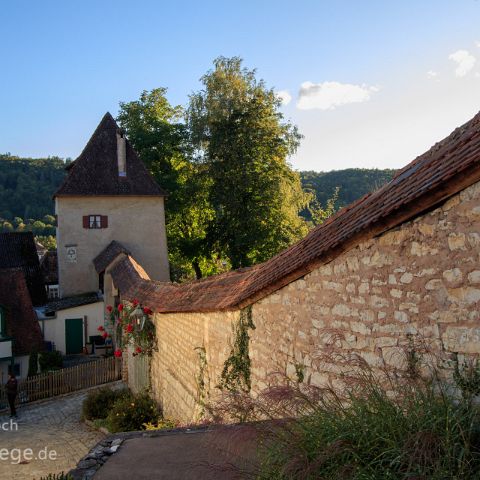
73,335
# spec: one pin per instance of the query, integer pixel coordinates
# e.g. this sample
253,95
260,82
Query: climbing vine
235,375
202,379
130,324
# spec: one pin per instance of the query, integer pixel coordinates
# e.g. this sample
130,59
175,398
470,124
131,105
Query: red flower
129,328
138,350
135,302
120,307
100,328
117,352
105,335
147,311
109,309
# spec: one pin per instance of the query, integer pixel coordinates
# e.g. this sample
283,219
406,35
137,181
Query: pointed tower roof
96,171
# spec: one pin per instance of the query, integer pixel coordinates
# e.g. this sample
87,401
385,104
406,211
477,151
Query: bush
131,412
50,361
99,402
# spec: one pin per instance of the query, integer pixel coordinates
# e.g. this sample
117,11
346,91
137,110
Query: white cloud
465,62
432,74
329,95
284,96
477,44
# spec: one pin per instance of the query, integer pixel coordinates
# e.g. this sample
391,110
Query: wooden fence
66,380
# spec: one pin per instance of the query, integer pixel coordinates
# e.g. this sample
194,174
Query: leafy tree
27,186
243,142
48,241
160,138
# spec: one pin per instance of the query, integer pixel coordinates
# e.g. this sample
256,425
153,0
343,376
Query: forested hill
27,185
352,182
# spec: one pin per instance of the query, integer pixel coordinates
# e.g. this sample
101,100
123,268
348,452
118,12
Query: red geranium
117,352
120,307
147,311
129,328
100,328
105,335
135,302
109,309
138,350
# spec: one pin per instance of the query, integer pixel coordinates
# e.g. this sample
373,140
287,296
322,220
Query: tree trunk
196,267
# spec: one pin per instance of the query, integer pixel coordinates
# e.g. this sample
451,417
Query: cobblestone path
47,428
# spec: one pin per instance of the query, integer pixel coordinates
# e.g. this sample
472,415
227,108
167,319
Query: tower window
95,221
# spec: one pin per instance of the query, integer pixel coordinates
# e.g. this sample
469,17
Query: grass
379,425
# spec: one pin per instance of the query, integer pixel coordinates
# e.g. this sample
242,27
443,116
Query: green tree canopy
241,138
160,138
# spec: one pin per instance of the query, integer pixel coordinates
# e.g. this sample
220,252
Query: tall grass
379,425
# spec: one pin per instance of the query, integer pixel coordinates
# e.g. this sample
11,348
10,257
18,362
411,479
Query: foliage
202,380
161,424
131,413
49,241
33,364
467,378
160,138
242,141
57,476
98,403
27,185
236,369
131,325
38,227
352,183
50,361
382,424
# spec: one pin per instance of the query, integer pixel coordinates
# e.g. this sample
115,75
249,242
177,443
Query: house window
95,221
53,292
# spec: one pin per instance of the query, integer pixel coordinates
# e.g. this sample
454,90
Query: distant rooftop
18,250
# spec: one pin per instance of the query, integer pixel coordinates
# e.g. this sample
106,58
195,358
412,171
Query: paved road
46,427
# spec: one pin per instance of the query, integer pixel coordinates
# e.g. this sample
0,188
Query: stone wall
422,278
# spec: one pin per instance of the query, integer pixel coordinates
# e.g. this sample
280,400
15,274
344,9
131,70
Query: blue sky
370,83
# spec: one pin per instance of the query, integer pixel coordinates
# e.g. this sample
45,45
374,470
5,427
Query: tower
108,195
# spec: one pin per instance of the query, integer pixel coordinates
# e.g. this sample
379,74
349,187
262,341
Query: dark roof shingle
95,171
18,250
108,254
21,319
71,302
447,168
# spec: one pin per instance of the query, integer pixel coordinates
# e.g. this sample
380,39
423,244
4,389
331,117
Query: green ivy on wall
235,375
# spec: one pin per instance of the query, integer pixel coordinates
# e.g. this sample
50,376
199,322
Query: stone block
453,276
462,339
456,241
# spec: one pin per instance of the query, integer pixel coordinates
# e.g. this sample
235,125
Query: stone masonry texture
420,281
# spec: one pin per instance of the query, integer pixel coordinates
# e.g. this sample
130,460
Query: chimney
121,155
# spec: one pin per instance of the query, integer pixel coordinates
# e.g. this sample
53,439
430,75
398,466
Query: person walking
11,388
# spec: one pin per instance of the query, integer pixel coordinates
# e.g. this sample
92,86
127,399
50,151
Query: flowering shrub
132,412
131,324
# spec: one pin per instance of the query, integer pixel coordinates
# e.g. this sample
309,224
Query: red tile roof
18,250
22,323
95,171
108,254
448,167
